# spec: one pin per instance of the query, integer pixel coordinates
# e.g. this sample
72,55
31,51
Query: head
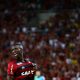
17,51
38,73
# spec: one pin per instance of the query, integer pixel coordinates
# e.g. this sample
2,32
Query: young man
19,68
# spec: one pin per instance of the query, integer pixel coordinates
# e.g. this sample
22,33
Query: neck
19,59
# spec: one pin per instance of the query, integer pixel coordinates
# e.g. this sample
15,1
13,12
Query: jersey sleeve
10,69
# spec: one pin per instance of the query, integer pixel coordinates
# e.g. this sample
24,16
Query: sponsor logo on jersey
27,73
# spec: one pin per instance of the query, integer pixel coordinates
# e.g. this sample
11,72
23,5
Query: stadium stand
55,42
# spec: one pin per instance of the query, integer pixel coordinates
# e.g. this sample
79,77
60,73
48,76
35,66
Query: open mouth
15,54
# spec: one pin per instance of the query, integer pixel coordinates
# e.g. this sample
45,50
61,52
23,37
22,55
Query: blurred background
48,29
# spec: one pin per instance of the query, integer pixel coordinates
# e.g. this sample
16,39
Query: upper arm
10,69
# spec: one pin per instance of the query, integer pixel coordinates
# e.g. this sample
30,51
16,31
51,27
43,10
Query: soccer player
19,68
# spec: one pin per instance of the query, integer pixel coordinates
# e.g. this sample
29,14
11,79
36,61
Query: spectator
38,76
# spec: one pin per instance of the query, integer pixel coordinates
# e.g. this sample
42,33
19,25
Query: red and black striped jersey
20,70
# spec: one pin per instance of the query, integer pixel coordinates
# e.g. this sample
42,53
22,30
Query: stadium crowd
54,44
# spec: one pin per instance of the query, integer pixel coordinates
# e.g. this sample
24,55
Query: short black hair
17,45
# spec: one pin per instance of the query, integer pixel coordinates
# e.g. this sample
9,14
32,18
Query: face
16,52
38,73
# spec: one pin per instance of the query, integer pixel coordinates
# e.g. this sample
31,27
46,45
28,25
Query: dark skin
17,55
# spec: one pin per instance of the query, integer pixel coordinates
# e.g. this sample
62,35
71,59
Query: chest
22,66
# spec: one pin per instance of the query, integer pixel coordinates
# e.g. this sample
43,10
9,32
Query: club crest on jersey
23,67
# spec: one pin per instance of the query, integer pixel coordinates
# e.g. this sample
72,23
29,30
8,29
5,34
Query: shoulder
10,63
28,62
